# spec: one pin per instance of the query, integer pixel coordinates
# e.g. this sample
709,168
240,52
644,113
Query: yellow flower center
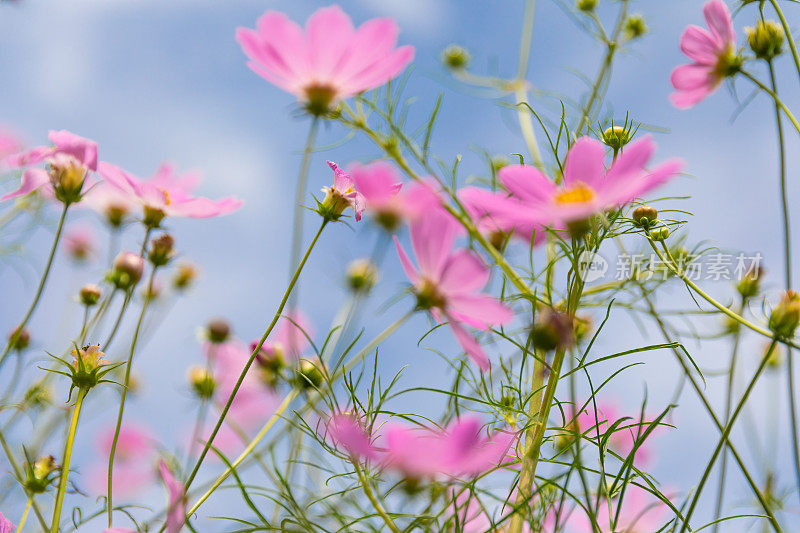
577,194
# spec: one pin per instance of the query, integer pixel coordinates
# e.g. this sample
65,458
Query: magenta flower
713,54
447,282
459,450
328,62
5,525
341,195
167,194
176,510
588,187
385,197
70,159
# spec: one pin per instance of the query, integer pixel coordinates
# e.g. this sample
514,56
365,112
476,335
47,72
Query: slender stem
788,33
725,433
24,518
380,338
62,485
775,97
374,500
125,384
40,289
19,475
302,180
787,255
252,358
520,92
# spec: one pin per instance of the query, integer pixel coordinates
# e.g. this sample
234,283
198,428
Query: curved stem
788,33
520,92
62,484
374,500
725,434
302,180
252,358
40,289
124,396
778,102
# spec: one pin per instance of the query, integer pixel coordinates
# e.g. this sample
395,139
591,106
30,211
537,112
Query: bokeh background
154,81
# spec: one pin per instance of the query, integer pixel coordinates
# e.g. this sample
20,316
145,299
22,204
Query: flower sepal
87,369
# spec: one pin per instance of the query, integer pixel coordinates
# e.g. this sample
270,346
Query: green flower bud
455,57
361,275
786,316
586,5
161,251
218,331
616,137
644,216
659,234
635,27
309,374
765,39
185,274
90,294
202,382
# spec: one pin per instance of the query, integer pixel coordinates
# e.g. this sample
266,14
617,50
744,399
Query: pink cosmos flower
713,54
176,510
70,156
328,62
496,227
10,143
385,197
641,511
459,450
80,242
167,193
588,187
109,201
342,194
132,462
5,525
447,282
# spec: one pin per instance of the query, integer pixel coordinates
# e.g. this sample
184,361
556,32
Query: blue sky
153,81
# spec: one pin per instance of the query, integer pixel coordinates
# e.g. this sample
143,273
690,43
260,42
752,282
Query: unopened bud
115,214
455,57
587,5
582,325
645,216
161,250
361,275
659,234
218,331
127,271
271,360
67,175
90,294
552,329
184,276
786,316
616,137
40,474
152,217
19,339
309,374
635,26
765,39
750,284
202,382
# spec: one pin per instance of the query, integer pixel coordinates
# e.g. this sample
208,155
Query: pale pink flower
465,514
342,194
459,450
389,202
328,62
588,187
447,282
132,461
80,242
5,525
641,511
10,143
713,54
167,193
68,151
109,201
494,225
176,509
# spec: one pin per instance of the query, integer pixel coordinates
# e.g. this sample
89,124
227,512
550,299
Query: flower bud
115,214
586,5
750,284
659,234
309,374
635,26
41,474
765,39
88,366
786,316
90,294
552,329
19,338
202,382
776,358
455,57
38,395
582,325
79,244
271,360
645,216
361,275
161,250
616,137
127,271
67,175
185,274
152,217
218,331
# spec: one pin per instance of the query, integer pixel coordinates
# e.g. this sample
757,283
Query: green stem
125,385
778,102
788,33
374,500
40,289
520,93
302,180
62,484
24,518
252,357
725,433
19,475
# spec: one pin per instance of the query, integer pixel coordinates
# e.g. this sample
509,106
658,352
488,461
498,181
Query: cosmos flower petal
584,162
470,345
32,179
699,45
